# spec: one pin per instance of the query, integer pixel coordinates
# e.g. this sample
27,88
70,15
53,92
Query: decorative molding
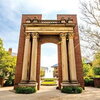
49,29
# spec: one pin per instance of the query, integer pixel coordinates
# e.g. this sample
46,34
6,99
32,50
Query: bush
96,70
96,76
88,81
71,90
25,90
9,82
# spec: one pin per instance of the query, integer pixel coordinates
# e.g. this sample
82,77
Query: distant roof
55,65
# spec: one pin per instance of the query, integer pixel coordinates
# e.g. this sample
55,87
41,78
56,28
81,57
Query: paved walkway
50,93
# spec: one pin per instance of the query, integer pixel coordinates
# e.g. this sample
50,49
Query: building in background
55,71
11,52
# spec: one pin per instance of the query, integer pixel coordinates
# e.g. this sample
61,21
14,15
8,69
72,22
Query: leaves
7,62
96,61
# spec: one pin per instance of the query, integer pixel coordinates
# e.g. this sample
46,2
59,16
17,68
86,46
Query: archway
35,32
48,70
45,39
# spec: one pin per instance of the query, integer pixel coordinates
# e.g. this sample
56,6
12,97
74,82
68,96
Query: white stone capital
27,35
71,35
63,35
35,35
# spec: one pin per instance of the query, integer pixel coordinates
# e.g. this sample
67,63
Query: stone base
65,83
28,84
73,83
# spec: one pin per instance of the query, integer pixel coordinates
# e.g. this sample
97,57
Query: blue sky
10,19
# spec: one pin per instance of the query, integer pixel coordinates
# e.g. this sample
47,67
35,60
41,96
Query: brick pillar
59,66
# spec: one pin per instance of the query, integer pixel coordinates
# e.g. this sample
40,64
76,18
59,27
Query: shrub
78,89
25,90
96,76
88,81
9,82
71,89
97,70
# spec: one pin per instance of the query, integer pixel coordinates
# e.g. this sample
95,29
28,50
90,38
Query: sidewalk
50,93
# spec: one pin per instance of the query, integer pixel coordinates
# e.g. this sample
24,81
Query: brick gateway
63,32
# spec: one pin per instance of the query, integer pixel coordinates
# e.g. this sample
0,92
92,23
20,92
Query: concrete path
50,93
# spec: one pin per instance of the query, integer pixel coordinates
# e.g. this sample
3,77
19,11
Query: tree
87,69
42,72
90,29
7,64
96,61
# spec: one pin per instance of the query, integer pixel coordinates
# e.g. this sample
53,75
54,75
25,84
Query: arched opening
49,65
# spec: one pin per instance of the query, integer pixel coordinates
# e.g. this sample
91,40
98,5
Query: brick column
26,58
65,79
72,64
34,58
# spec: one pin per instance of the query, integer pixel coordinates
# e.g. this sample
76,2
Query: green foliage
71,90
7,63
96,70
48,83
25,90
88,81
88,70
9,81
49,79
96,76
96,61
42,72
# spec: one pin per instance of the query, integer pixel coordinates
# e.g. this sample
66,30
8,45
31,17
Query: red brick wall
19,64
77,48
59,65
97,82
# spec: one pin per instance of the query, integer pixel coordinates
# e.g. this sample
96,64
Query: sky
10,21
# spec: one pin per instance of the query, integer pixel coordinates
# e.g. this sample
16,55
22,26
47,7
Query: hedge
25,90
71,90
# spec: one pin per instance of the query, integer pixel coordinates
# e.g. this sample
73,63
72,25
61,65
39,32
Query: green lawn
49,82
